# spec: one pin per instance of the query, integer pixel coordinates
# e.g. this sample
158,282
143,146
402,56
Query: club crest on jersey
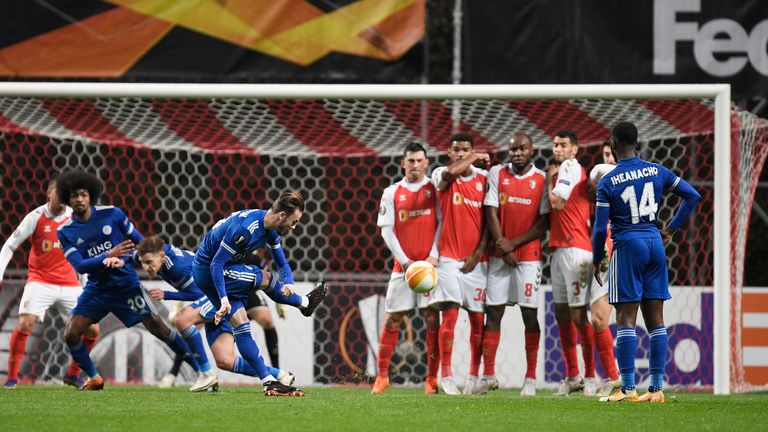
479,186
106,229
533,184
428,193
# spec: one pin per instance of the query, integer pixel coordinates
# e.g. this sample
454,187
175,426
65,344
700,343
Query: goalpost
239,108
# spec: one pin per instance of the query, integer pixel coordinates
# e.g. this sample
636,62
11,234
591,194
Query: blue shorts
240,280
208,311
638,271
130,305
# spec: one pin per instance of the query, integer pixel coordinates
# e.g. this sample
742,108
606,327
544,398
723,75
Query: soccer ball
421,277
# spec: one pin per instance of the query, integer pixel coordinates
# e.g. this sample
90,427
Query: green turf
144,409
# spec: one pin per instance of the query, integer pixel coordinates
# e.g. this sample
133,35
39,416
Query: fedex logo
727,38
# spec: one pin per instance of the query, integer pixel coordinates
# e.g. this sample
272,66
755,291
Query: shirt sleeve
387,208
684,190
20,234
278,257
437,176
492,188
126,226
567,178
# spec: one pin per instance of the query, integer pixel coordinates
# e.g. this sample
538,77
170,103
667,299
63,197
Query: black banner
661,41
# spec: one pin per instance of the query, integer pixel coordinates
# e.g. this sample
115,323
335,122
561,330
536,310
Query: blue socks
659,343
242,367
195,342
273,292
177,344
626,351
250,351
83,359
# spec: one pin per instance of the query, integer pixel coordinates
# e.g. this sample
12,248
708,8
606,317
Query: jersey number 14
647,207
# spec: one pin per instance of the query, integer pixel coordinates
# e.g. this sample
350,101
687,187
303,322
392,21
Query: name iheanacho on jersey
622,177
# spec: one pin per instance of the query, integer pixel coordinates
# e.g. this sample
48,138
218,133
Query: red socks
445,340
531,353
386,346
568,344
587,334
475,341
490,345
605,352
18,344
74,369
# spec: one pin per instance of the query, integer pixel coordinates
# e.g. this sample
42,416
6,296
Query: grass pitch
143,409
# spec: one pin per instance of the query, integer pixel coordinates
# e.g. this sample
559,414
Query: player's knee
26,323
562,314
93,331
394,320
225,363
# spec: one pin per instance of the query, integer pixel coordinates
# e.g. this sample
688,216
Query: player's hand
124,249
432,260
506,245
598,276
113,262
405,265
223,311
156,293
509,258
666,235
470,262
280,310
287,289
482,160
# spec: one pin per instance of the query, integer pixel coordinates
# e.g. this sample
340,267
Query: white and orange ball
421,277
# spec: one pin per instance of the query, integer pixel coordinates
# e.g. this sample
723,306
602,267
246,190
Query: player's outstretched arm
180,295
283,268
80,264
449,173
20,234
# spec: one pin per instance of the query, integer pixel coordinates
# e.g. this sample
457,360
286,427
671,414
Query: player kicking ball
220,275
629,197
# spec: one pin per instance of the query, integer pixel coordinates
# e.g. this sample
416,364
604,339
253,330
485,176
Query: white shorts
573,281
38,297
400,298
466,289
513,284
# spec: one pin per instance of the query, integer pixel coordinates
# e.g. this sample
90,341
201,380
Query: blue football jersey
177,271
240,234
633,191
86,244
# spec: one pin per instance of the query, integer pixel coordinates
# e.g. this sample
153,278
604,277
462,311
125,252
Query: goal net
178,164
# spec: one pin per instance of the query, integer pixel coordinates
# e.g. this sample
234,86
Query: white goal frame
721,93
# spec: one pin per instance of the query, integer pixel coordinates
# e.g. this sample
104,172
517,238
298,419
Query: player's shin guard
433,353
531,353
587,335
626,350
177,344
604,342
250,351
270,337
659,342
274,291
568,345
18,345
80,355
490,346
445,340
387,344
195,342
475,342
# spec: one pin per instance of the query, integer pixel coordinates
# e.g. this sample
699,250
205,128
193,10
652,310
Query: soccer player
408,217
571,263
629,196
93,234
517,210
463,264
174,266
50,281
218,272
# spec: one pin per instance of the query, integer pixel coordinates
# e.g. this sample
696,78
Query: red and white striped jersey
520,200
412,209
569,227
46,261
461,205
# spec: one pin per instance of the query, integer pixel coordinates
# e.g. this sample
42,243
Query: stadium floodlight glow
721,93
